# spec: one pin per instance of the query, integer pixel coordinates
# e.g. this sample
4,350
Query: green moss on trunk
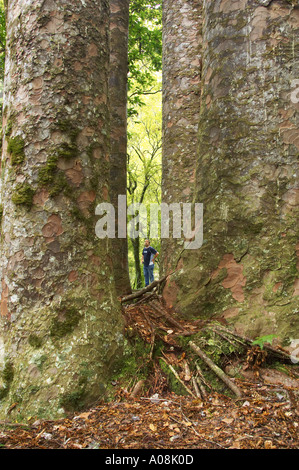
15,148
23,195
65,323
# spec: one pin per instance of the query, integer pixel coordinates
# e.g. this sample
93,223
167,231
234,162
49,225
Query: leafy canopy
144,50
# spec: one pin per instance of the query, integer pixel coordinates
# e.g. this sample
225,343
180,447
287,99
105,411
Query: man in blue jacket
149,254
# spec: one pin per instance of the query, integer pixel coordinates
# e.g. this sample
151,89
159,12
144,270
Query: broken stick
219,372
148,288
195,386
140,292
280,353
178,378
169,318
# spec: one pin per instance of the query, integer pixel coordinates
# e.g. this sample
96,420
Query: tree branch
148,288
219,372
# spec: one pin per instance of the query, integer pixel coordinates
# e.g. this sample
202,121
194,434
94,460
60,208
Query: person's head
146,242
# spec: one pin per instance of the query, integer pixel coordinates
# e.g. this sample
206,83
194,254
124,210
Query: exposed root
188,349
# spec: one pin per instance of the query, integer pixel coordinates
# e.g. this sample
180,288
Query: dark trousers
148,272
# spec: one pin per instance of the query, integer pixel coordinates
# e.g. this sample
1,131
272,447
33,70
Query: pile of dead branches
254,414
183,352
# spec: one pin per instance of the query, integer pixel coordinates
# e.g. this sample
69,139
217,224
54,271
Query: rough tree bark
61,326
182,21
119,26
247,170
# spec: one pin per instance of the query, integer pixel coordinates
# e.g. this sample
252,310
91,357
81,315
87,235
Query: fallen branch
201,381
201,378
187,371
148,288
169,318
145,299
7,424
219,372
137,388
178,378
280,353
195,386
201,387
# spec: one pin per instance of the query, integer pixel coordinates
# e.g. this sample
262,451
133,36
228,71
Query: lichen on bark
246,174
58,302
118,73
182,61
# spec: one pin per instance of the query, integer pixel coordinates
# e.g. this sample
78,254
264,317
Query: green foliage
216,347
144,113
144,157
144,50
261,340
145,152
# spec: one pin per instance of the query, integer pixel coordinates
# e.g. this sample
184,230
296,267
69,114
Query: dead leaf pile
263,420
264,416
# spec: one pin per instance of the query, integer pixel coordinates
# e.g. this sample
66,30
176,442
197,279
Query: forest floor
262,413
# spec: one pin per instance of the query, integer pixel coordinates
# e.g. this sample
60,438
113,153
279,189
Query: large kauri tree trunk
182,61
61,328
247,170
119,27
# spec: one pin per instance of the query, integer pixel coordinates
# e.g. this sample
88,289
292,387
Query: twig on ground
178,378
219,372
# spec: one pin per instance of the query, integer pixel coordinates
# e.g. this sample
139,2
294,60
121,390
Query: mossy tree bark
247,173
119,26
182,44
61,325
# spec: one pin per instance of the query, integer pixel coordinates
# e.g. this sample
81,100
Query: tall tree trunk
247,170
119,26
182,43
137,256
61,325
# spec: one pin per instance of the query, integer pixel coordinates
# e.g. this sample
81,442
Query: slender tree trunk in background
247,170
182,43
119,26
137,257
61,325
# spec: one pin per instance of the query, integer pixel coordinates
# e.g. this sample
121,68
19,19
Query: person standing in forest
149,254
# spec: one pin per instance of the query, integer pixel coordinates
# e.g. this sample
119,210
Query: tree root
166,334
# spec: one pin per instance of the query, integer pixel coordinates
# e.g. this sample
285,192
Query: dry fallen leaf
228,420
269,445
263,420
83,415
